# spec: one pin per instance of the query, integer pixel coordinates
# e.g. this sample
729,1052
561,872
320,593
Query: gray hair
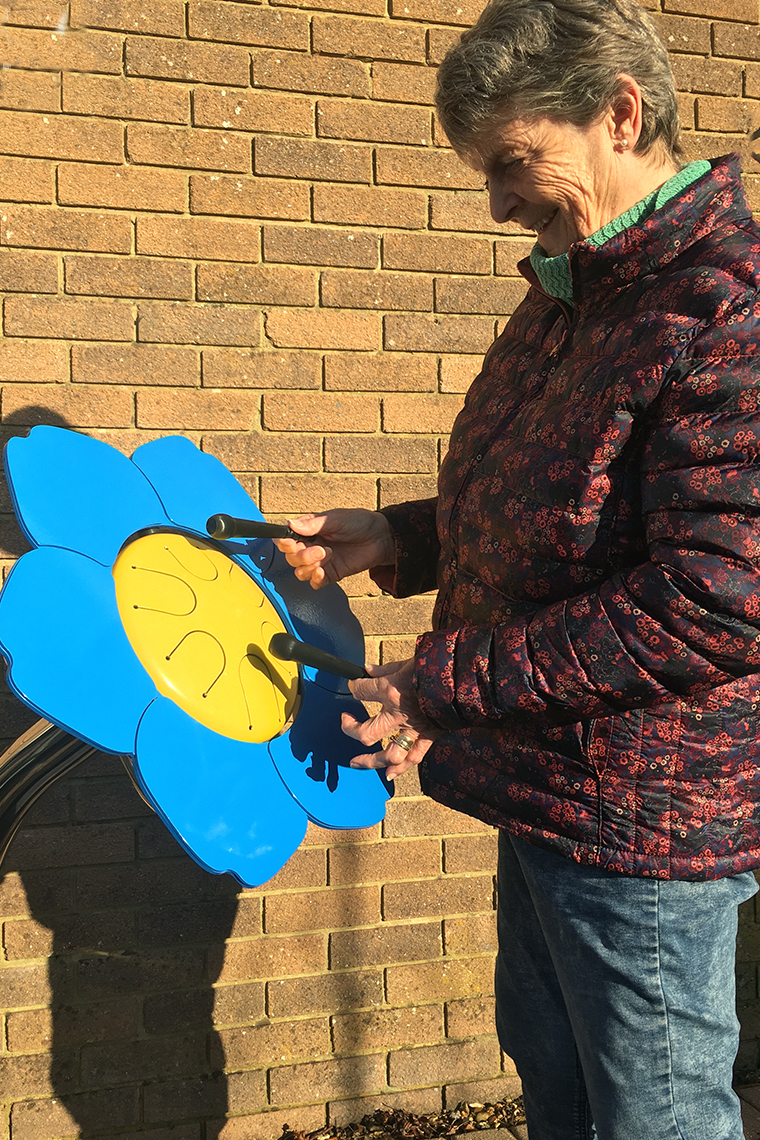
557,58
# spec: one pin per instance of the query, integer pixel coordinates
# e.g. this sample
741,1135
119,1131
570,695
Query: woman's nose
501,200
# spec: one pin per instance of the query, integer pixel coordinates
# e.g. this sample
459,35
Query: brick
78,320
166,18
27,938
47,890
273,957
509,254
697,145
373,122
28,362
115,98
475,934
441,334
26,180
254,452
295,71
60,136
294,496
384,861
34,13
469,1017
224,411
265,1125
242,1004
302,158
433,11
379,616
467,295
65,229
203,1096
470,853
436,254
368,39
743,10
320,1080
24,985
437,1064
463,210
708,76
198,324
319,910
382,945
135,364
403,83
357,205
387,1028
314,245
256,285
384,372
506,1086
30,90
248,197
50,51
686,110
405,488
191,61
32,1074
107,797
28,272
252,111
84,843
741,41
417,1101
425,817
439,42
323,329
379,290
129,277
142,1060
190,148
81,407
682,33
402,413
236,368
360,7
198,238
377,454
325,993
323,411
39,1119
33,1030
121,187
403,166
247,24
443,896
716,114
458,372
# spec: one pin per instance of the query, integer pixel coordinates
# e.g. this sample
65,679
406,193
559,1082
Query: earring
623,144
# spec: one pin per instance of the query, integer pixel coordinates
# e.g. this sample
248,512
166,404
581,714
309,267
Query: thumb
307,524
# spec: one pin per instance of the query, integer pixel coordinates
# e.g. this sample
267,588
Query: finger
369,731
307,524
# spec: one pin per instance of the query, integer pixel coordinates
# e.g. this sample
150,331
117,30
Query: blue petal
70,660
312,758
72,491
320,617
221,798
191,484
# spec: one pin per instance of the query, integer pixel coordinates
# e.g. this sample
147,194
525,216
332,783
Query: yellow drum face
201,628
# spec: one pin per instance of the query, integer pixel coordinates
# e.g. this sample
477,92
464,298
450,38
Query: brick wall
241,222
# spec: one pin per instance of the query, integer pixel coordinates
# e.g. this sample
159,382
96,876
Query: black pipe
226,526
39,757
289,648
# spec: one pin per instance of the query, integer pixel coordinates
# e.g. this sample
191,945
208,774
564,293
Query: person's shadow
114,939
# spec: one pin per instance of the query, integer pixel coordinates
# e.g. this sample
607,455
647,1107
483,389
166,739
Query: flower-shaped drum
133,630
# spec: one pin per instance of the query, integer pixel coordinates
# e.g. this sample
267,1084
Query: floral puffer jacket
595,659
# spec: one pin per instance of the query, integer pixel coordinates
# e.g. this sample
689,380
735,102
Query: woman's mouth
543,223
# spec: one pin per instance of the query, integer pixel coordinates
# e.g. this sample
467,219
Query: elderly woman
591,682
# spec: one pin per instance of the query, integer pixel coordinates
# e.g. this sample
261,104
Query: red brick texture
240,222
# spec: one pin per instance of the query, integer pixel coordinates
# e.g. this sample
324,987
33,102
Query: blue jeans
615,997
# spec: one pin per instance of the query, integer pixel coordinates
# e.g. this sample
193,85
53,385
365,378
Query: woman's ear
625,117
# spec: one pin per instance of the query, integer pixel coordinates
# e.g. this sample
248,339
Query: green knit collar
554,272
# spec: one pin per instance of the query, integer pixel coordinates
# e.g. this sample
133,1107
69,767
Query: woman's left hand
391,686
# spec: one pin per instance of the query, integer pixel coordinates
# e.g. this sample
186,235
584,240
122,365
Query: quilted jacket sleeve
686,620
417,550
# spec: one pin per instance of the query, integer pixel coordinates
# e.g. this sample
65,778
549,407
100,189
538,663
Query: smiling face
561,181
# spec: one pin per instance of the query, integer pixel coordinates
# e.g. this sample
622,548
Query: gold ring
403,739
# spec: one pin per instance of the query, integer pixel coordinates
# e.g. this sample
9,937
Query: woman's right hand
349,541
